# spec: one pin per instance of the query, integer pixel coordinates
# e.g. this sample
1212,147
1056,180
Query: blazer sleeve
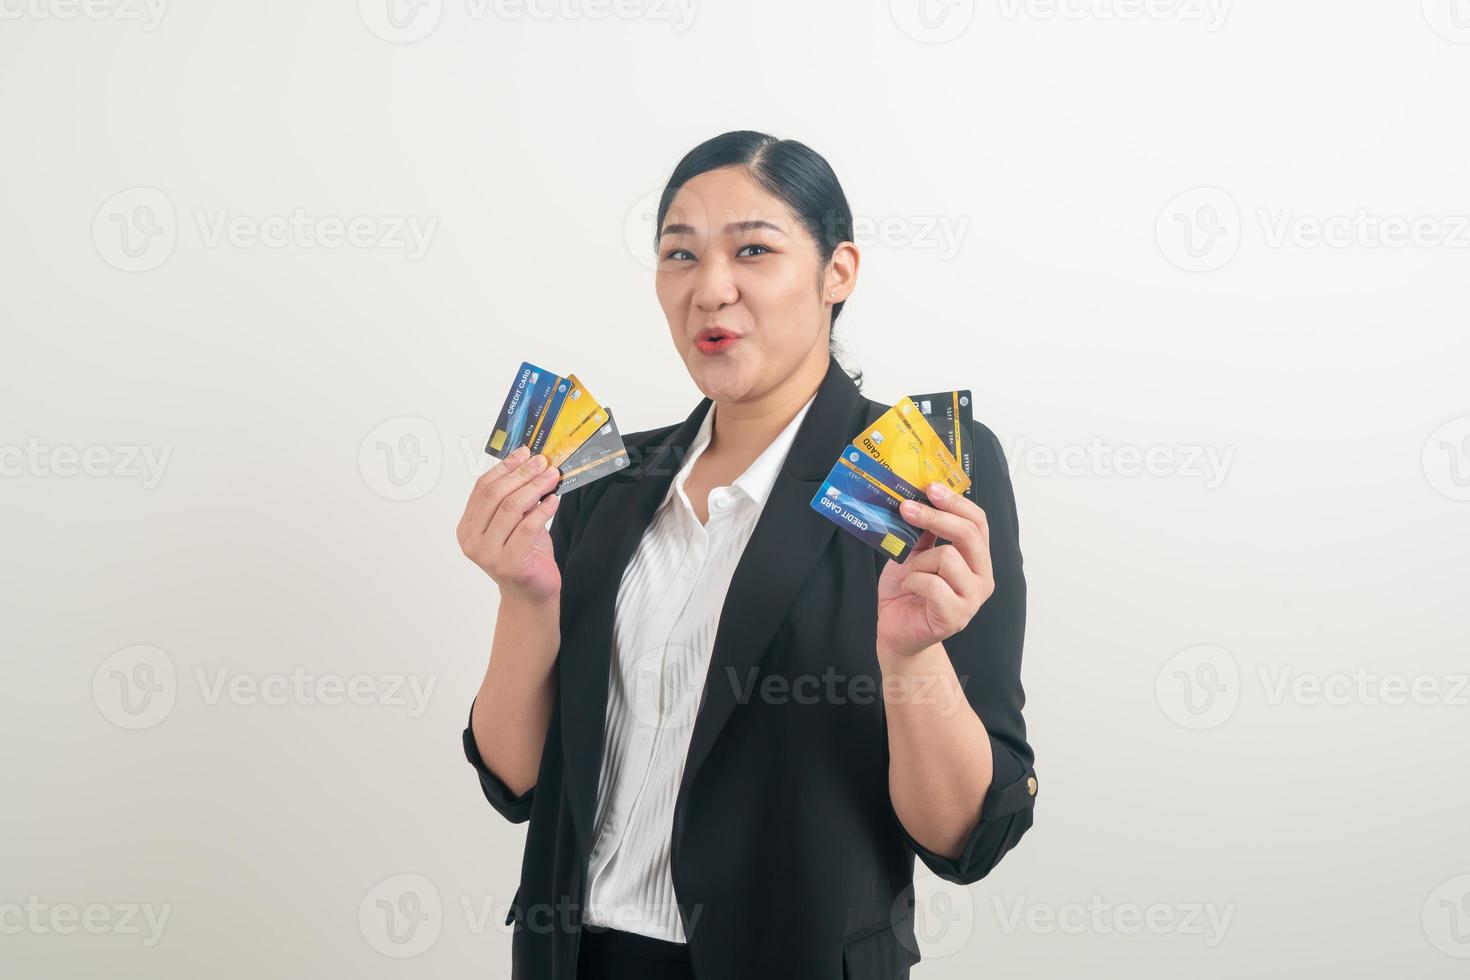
986,655
517,809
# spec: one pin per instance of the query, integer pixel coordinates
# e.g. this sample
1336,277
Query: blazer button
1031,785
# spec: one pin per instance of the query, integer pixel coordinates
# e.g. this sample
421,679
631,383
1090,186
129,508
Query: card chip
891,544
498,440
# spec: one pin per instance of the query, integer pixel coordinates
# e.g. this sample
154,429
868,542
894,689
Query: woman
730,727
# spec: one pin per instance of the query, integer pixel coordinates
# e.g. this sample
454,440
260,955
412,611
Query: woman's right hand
503,529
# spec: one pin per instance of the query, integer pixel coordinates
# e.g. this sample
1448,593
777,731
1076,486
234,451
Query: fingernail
938,491
909,508
521,452
538,464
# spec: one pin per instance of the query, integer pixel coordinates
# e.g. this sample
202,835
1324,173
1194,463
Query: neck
743,430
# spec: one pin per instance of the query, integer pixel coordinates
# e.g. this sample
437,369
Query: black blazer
787,857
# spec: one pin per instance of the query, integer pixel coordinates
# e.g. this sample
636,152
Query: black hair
790,171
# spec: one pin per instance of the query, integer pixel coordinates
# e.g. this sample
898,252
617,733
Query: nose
714,286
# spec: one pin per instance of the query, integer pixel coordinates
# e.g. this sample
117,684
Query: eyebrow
734,226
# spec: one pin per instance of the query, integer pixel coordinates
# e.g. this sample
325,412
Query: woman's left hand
936,591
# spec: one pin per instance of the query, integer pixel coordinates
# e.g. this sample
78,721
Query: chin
719,378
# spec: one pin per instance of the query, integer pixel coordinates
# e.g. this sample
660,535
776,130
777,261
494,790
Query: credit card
904,442
951,415
860,496
602,455
541,430
579,415
522,410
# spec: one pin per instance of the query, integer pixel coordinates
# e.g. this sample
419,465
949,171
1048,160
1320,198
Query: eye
761,247
674,253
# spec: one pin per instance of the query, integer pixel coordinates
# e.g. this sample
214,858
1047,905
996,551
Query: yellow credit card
903,441
579,418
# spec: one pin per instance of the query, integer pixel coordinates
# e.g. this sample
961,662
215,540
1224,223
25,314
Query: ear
840,277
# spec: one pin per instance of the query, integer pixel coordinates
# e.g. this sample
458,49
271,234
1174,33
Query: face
744,288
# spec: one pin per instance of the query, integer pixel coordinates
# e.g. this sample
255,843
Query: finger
944,605
487,496
514,505
960,528
942,498
946,562
533,524
486,481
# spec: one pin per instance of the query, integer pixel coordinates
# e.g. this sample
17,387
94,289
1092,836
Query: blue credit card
861,496
541,429
524,407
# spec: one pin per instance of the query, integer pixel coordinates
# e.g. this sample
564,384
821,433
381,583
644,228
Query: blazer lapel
783,547
618,523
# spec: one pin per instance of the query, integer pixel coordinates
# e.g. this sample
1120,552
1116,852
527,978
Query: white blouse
668,607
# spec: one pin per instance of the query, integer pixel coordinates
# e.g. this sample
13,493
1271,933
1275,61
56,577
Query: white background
1099,216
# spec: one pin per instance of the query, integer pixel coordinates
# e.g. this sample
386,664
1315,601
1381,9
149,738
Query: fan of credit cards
555,414
921,440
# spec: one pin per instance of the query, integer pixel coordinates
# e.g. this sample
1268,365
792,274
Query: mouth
715,340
